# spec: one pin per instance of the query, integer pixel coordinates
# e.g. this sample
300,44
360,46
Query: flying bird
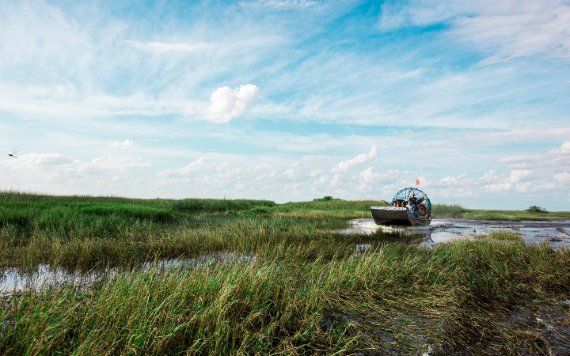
13,154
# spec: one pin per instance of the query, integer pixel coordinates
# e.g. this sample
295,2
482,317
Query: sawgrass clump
396,298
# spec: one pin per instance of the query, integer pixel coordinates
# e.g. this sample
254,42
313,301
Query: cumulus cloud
366,178
522,180
61,174
362,158
529,174
518,175
227,104
58,163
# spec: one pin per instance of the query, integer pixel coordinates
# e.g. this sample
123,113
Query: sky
288,100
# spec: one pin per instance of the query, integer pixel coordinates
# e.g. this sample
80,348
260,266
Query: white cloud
498,187
563,178
565,147
187,171
451,180
522,135
524,179
71,102
45,159
505,29
164,47
281,4
518,175
70,71
224,166
227,104
110,163
362,158
543,172
123,144
57,162
366,178
56,173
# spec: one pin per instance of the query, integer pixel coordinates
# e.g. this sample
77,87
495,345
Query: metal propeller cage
415,200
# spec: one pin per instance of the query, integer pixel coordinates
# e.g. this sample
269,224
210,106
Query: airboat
410,206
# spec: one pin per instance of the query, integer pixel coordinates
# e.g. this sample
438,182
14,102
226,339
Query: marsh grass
307,291
448,211
456,211
302,305
86,232
502,236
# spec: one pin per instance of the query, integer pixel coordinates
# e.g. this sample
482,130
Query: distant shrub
536,209
325,198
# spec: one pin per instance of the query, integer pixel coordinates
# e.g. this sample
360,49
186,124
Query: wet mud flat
536,329
14,280
555,234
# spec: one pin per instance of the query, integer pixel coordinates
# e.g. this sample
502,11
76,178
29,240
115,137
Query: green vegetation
306,291
536,209
456,211
502,236
395,298
86,232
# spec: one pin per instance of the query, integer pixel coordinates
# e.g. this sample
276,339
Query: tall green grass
448,211
307,291
397,298
89,231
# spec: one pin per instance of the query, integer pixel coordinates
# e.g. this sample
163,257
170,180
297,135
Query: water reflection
44,276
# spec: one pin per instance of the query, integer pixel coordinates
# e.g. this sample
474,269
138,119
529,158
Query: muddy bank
555,234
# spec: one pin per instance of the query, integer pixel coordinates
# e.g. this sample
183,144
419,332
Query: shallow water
555,234
44,276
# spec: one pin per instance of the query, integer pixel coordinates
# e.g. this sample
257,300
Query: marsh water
14,280
555,234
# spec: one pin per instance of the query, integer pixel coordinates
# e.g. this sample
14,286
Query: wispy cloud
281,4
162,47
340,104
504,30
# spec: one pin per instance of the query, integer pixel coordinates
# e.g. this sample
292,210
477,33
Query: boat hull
396,216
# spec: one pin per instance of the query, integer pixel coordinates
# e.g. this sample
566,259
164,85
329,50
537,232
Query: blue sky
288,99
